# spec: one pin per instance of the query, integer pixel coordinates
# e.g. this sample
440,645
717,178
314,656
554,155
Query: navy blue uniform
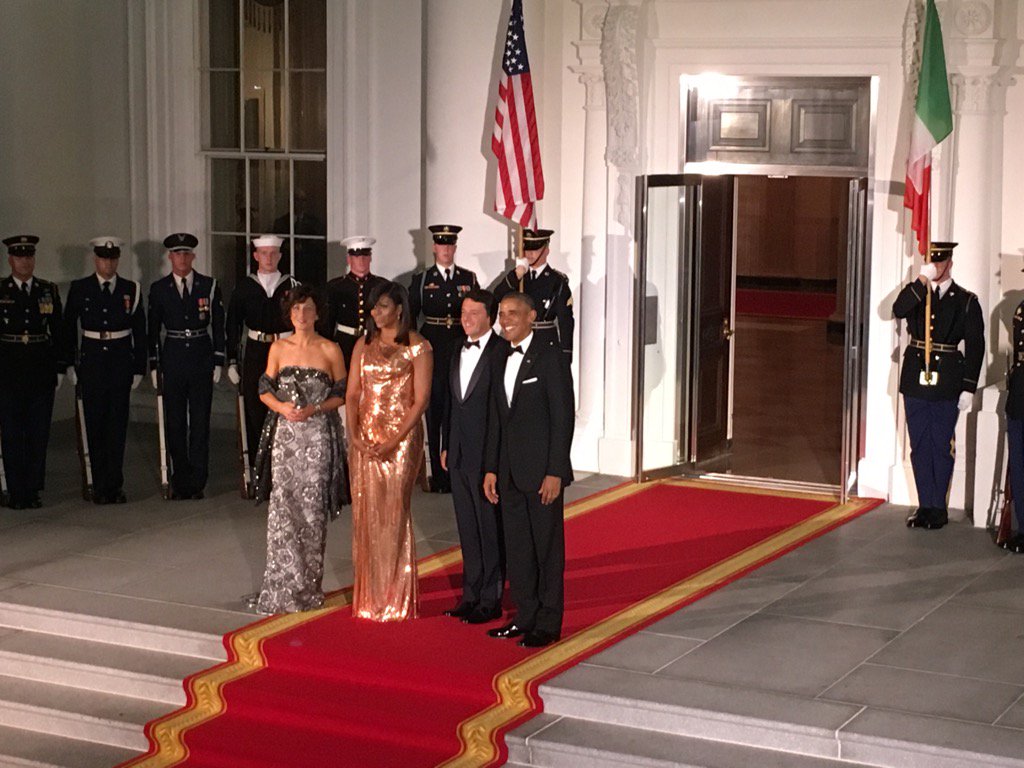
932,412
112,350
261,316
440,302
31,355
348,310
553,300
186,341
1015,418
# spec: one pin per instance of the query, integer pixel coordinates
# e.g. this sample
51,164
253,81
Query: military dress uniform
348,310
1015,429
932,409
439,299
550,292
110,353
31,355
258,318
186,342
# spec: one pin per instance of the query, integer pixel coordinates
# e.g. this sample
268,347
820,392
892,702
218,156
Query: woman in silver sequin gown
303,388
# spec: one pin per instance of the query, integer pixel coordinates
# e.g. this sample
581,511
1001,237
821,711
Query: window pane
222,98
223,41
263,44
230,262
310,244
309,111
307,34
269,196
264,110
227,195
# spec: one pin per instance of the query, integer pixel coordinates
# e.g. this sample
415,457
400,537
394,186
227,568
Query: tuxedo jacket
464,431
532,437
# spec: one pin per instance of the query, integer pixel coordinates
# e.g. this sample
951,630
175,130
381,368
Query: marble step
550,741
28,749
75,713
100,667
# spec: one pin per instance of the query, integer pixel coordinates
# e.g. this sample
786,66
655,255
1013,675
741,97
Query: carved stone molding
592,18
593,79
973,17
978,94
619,58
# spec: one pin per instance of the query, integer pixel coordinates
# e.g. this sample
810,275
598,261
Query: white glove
153,378
136,380
233,376
522,265
216,373
72,377
60,380
930,271
966,401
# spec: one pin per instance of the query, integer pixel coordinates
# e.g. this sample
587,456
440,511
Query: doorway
749,326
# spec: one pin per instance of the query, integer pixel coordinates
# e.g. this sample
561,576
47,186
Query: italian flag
933,122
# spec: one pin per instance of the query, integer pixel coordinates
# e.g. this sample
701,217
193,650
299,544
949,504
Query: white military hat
267,241
359,245
106,241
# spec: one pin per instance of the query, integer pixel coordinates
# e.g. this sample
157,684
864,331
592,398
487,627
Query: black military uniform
112,352
31,355
932,401
549,290
189,315
437,294
348,301
263,320
1015,429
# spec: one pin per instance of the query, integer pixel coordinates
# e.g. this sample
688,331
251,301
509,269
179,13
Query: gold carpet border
207,700
478,734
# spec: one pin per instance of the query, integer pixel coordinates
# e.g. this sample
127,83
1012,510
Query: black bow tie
514,350
469,344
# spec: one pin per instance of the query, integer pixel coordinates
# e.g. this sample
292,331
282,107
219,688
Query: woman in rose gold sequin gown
388,390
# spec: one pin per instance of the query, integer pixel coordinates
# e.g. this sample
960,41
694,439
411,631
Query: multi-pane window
265,132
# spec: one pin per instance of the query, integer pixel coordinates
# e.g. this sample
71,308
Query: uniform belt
187,333
268,337
936,346
447,322
542,324
107,335
24,338
348,329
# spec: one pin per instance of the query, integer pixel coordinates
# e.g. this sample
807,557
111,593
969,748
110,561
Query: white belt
348,329
106,335
268,337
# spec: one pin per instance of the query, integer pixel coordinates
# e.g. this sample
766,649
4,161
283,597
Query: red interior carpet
790,304
342,692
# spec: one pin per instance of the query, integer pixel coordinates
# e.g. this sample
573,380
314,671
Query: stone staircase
662,722
76,689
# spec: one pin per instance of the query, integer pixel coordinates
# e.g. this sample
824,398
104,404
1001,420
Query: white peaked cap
358,242
106,242
267,241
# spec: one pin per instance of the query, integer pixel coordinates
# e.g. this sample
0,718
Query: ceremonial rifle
4,500
83,443
245,479
165,483
1005,530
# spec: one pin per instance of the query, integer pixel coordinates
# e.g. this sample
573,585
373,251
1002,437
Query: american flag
520,180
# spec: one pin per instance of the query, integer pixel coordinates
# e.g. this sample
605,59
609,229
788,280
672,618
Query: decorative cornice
979,94
619,59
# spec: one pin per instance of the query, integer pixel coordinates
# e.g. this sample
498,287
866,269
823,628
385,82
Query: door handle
727,331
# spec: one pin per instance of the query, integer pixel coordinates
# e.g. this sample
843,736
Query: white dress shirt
18,283
112,281
269,281
181,282
944,286
468,361
515,362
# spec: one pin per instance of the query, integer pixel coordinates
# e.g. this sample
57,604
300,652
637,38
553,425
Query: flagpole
519,252
928,299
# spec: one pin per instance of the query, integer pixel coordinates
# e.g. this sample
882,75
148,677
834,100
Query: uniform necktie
184,290
514,350
106,287
447,275
470,344
533,274
24,288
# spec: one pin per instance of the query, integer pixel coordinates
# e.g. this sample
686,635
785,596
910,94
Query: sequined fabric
306,463
383,544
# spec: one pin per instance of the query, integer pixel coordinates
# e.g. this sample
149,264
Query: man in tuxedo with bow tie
476,369
529,434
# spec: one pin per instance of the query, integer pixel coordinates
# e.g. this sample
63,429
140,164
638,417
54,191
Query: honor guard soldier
548,288
347,312
256,308
938,379
32,365
1015,430
186,310
111,361
437,293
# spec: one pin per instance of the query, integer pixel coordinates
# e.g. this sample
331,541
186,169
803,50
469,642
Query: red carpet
335,691
788,304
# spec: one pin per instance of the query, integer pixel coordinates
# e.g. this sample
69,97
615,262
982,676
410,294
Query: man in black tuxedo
529,434
476,369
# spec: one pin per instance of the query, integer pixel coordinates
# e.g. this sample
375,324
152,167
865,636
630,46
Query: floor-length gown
383,543
307,474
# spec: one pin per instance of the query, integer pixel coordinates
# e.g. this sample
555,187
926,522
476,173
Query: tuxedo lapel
524,373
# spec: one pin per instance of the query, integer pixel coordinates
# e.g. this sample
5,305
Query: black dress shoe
34,502
461,610
117,497
918,518
538,639
1014,544
101,498
483,615
197,496
17,504
937,519
508,631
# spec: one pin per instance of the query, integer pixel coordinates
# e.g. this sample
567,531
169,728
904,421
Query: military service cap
107,247
267,241
181,241
941,251
21,245
445,234
360,245
535,239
